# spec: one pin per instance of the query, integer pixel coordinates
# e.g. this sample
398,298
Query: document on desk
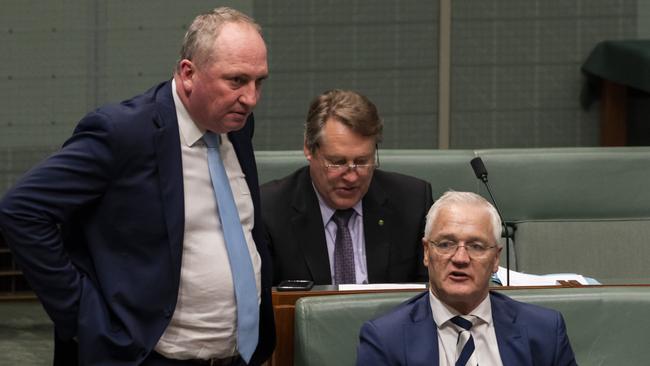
383,286
525,279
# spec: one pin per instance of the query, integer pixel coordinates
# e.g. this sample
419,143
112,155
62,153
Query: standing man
460,322
340,220
142,236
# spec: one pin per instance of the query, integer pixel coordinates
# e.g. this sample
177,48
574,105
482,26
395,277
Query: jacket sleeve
564,354
33,212
370,350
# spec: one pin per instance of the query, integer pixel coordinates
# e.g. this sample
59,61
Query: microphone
482,175
479,169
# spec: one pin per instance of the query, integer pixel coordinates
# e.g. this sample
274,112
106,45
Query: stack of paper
524,279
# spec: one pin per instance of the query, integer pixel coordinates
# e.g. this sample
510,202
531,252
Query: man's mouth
346,190
458,276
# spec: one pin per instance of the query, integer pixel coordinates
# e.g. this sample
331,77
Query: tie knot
462,322
211,139
341,217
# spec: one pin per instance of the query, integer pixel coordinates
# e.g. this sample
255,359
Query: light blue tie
241,265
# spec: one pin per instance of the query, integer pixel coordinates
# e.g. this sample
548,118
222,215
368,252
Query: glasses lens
474,250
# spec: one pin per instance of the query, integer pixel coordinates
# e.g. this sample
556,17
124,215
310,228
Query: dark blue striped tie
465,340
343,249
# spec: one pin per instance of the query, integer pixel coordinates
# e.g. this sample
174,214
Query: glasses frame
344,168
437,249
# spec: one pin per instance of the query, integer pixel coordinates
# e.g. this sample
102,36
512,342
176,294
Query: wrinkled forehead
462,221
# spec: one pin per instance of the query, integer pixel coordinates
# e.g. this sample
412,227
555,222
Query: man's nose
250,94
461,255
350,174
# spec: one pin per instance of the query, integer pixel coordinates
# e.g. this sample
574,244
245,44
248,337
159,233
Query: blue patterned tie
465,340
241,266
343,250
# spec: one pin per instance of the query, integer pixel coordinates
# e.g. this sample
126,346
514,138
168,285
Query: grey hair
452,197
198,44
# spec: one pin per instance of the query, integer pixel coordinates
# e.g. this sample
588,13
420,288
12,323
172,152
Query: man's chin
345,203
234,124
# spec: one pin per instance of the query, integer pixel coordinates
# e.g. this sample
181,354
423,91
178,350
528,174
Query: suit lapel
421,335
511,337
308,229
168,158
377,226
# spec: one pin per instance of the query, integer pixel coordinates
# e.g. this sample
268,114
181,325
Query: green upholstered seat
579,210
606,325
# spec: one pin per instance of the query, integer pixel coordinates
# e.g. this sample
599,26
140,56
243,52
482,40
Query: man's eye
476,246
445,244
238,81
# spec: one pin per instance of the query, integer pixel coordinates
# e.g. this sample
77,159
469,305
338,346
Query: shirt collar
190,132
443,313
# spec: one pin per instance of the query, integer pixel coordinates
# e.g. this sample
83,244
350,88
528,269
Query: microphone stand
506,232
481,173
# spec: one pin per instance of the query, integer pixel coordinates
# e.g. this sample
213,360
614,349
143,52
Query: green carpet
26,334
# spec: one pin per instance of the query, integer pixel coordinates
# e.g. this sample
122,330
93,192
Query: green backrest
445,169
582,210
606,325
570,183
278,164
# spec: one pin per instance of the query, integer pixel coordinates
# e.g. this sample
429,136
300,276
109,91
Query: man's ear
307,152
425,248
495,266
186,71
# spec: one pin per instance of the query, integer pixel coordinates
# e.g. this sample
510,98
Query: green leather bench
606,325
584,210
580,210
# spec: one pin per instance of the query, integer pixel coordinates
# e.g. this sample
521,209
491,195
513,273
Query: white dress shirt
485,338
204,324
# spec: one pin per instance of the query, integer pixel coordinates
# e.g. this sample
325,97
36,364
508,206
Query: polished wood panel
613,118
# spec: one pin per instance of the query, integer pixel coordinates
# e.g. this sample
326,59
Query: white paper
525,279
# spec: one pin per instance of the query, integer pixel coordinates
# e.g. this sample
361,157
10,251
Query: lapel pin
380,222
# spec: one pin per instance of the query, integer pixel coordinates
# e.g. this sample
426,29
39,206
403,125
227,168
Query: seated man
381,214
456,322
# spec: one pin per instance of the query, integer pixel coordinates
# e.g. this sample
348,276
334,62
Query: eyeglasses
339,168
474,249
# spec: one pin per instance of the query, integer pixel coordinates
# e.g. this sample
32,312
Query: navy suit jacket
526,334
98,230
394,210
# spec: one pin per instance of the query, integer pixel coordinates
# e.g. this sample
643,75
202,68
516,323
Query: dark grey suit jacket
394,210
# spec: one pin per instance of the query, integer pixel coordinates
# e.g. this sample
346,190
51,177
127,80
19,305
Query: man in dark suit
460,322
120,235
384,211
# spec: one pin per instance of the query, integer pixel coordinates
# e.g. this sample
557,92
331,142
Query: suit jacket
394,210
526,334
98,230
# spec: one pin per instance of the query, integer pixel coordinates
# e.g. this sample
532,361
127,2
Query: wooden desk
612,68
